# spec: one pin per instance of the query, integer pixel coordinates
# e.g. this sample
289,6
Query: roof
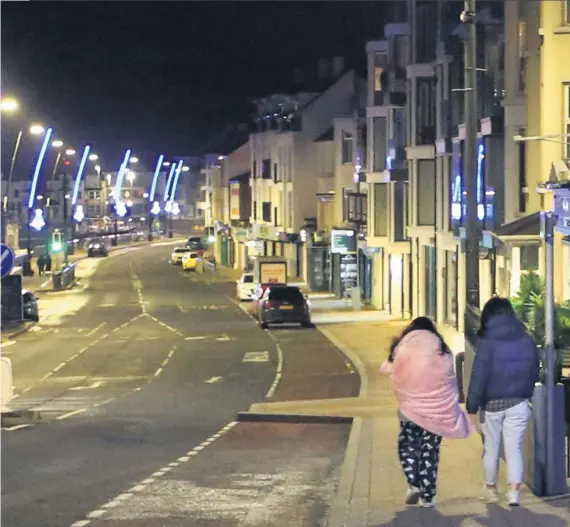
240,178
526,226
327,136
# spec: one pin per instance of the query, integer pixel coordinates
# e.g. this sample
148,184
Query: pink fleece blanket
425,386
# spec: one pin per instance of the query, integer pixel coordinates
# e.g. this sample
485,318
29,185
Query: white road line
70,414
171,352
194,338
123,496
59,366
174,464
96,514
111,504
137,488
278,373
81,523
94,330
183,459
212,380
158,372
180,307
46,283
147,481
158,473
15,427
7,343
198,448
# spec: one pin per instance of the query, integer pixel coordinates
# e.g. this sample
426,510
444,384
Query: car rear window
289,294
193,255
248,279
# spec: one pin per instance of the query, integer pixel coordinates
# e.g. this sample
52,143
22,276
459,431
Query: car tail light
269,304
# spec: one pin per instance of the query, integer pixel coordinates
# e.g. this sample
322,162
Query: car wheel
262,325
306,324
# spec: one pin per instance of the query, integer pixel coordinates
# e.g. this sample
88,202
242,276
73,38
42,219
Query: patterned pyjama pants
419,456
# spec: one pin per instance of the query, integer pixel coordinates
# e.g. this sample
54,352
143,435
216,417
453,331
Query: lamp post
152,212
32,195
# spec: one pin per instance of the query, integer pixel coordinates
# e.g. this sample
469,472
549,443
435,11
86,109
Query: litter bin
56,279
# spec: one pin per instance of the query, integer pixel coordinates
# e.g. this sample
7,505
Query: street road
150,370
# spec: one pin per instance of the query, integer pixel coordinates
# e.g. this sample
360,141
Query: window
523,191
380,65
380,209
346,147
16,192
566,13
400,211
522,46
266,211
426,192
266,169
529,257
275,217
400,51
567,120
254,170
248,279
255,210
275,173
426,111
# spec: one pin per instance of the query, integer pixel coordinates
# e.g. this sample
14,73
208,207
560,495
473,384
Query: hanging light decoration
79,214
175,209
168,206
155,208
121,209
38,221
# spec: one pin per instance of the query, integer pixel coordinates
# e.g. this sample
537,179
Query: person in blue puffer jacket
505,371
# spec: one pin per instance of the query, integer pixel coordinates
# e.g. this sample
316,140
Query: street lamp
131,176
70,152
9,105
57,143
185,168
37,129
134,160
93,157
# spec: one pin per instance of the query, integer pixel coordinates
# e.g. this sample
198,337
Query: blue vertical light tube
155,178
121,175
168,182
39,162
175,184
79,174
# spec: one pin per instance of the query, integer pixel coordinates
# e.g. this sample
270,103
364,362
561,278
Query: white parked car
177,255
246,287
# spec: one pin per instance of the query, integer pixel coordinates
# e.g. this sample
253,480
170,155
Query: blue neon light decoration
38,221
121,175
175,184
120,209
80,174
155,208
39,162
155,178
480,175
79,215
168,181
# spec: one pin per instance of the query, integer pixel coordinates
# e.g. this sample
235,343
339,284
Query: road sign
7,256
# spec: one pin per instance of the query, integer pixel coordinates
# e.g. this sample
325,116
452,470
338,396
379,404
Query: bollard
56,279
7,388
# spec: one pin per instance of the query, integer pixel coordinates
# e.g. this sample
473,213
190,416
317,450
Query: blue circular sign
8,257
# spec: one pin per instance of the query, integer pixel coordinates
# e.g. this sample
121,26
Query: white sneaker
490,494
428,504
514,498
412,496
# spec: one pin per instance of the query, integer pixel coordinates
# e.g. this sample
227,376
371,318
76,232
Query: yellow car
189,261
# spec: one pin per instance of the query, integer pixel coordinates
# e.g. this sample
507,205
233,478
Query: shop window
255,210
426,192
266,169
380,65
266,211
400,211
380,209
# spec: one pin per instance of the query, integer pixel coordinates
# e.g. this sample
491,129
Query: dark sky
166,76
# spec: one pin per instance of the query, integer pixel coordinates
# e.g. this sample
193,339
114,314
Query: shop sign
562,210
266,232
242,235
343,241
234,201
348,272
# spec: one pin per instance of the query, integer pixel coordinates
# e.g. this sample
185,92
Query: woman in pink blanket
423,378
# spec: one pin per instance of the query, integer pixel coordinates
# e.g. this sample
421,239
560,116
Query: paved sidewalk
372,486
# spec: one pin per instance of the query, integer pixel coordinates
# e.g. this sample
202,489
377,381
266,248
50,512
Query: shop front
280,243
562,244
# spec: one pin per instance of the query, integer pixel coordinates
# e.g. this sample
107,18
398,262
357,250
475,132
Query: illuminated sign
120,209
343,241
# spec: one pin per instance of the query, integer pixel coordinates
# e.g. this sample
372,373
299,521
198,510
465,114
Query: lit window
380,64
567,121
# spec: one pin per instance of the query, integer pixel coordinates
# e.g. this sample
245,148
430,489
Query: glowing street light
134,160
131,176
168,182
175,209
121,209
79,215
37,129
38,168
58,143
166,164
9,105
93,157
155,208
185,168
70,152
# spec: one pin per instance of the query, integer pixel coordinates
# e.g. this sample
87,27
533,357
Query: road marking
124,496
15,427
198,448
96,514
45,283
93,331
212,380
278,373
174,464
137,488
180,307
59,366
171,352
158,372
158,473
111,504
170,328
256,356
81,523
183,459
70,414
224,338
195,338
7,343
91,387
147,481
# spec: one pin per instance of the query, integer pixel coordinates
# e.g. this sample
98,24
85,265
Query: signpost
7,256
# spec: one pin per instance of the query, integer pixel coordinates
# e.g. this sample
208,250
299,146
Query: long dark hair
419,323
495,307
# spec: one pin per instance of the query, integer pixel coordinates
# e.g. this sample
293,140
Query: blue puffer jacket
506,365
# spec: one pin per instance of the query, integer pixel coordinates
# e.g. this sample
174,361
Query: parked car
30,306
177,255
189,261
97,247
196,243
284,304
246,287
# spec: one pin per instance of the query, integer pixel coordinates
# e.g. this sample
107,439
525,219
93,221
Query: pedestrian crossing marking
256,356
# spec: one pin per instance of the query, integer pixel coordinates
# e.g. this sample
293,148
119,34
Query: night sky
165,76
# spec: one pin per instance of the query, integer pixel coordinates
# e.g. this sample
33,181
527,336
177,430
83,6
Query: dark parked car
196,243
30,306
96,248
283,305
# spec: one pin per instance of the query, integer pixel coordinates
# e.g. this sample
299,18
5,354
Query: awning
527,227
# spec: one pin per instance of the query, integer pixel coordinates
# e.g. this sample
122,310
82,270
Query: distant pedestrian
48,262
41,264
421,368
505,370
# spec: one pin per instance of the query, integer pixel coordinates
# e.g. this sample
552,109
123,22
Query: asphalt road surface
147,373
